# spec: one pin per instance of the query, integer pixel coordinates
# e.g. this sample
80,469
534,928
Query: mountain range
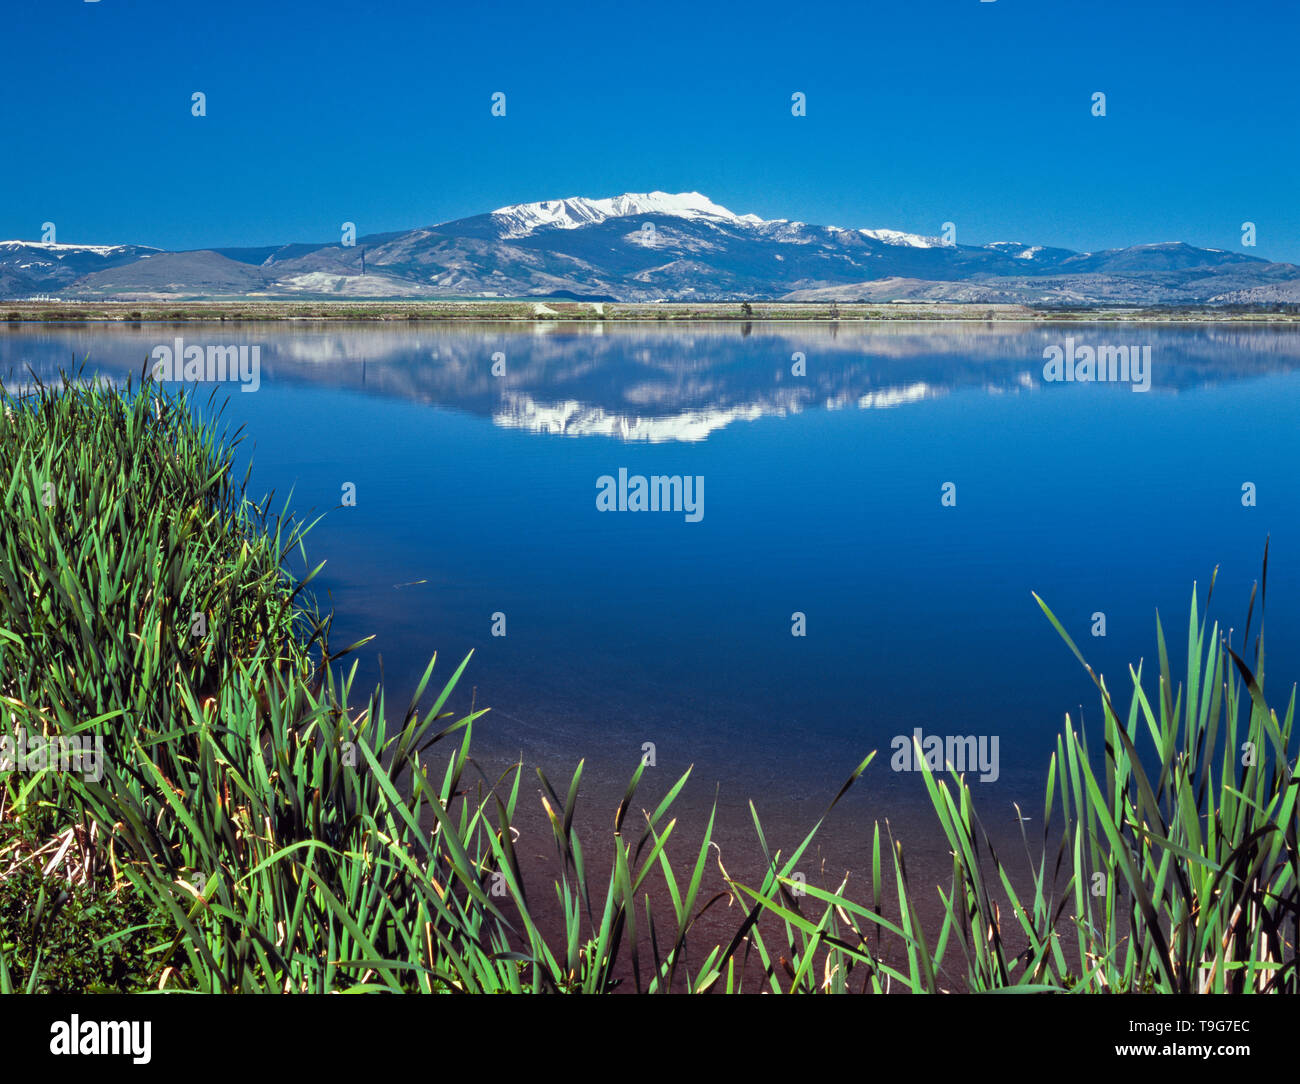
642,247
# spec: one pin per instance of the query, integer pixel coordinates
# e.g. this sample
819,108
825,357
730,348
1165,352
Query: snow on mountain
61,248
1018,249
908,240
521,219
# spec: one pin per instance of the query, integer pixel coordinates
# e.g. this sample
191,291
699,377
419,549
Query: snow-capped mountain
575,212
646,247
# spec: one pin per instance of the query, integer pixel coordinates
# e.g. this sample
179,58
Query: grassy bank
258,824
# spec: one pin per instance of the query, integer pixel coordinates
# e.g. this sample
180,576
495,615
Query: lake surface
476,496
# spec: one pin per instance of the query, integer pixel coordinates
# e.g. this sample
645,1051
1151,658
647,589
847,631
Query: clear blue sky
919,112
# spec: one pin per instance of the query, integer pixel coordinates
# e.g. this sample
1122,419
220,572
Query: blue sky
918,112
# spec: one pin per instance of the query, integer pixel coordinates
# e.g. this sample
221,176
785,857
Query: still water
818,459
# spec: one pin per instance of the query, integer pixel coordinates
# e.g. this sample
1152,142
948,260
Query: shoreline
548,311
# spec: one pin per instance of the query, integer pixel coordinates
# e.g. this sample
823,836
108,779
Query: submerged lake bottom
760,552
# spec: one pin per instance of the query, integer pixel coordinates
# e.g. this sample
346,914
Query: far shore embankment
552,310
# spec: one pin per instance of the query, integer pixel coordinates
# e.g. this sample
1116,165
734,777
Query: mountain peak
521,219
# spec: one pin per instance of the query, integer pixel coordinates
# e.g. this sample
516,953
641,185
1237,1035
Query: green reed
1173,865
